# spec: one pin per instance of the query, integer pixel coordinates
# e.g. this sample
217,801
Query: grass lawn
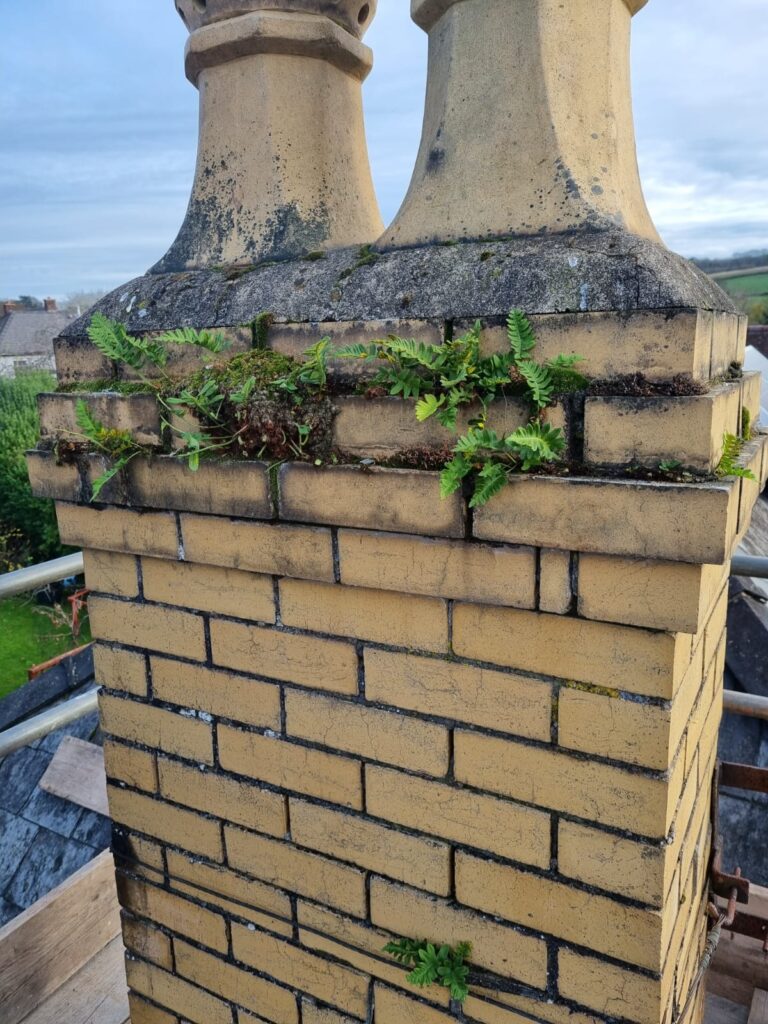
752,285
29,638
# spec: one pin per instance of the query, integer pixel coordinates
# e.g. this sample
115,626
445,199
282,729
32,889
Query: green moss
318,254
263,365
747,432
260,329
603,691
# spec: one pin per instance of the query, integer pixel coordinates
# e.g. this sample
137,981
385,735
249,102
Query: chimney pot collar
355,16
426,12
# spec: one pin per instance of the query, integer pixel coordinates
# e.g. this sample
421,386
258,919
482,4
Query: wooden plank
97,994
758,1013
42,948
77,774
740,966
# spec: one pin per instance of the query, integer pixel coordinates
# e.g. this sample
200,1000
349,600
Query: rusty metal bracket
733,887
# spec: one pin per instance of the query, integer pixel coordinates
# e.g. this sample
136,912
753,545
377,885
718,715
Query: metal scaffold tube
36,576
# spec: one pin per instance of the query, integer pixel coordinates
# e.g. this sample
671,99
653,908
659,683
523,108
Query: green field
748,285
27,638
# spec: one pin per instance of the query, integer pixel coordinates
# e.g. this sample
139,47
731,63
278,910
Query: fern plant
493,458
443,378
114,342
117,445
729,463
434,964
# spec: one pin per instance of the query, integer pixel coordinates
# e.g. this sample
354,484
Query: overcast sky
98,130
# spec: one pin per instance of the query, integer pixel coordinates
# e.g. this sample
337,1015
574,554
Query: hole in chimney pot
181,13
200,5
362,17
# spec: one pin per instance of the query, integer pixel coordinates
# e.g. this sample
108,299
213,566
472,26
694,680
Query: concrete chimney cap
426,12
353,15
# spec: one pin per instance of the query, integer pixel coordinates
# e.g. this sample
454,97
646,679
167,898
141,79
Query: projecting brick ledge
694,523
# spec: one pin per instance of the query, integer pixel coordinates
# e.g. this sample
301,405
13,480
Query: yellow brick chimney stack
528,123
282,165
345,703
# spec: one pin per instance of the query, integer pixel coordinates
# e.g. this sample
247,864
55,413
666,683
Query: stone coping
577,272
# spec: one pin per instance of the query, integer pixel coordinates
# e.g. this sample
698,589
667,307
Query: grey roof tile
50,860
20,772
16,836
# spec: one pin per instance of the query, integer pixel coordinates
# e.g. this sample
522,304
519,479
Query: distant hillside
740,261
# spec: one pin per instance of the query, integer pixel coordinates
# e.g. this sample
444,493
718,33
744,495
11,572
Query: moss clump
263,365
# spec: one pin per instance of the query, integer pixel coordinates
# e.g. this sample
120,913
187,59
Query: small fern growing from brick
434,964
117,445
729,463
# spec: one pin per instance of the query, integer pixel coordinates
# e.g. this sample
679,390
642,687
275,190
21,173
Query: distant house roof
31,332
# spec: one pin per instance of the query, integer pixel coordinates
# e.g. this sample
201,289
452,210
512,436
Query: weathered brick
648,430
301,660
111,529
120,670
679,522
301,551
423,863
242,987
111,573
332,983
622,730
555,588
134,851
294,339
141,625
234,910
218,693
51,479
379,428
359,945
143,1012
485,1007
77,359
379,615
291,766
585,789
495,947
658,595
637,870
156,727
137,414
173,912
488,574
170,824
657,344
471,819
635,660
245,595
609,989
626,933
185,359
380,499
147,942
751,396
495,700
222,797
137,768
307,874
221,882
373,734
752,459
395,1008
312,1014
189,1001
217,487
